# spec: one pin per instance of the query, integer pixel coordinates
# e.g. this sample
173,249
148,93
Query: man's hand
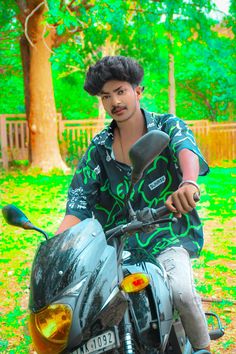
182,200
67,222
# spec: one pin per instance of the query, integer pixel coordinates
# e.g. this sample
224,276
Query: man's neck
126,134
134,127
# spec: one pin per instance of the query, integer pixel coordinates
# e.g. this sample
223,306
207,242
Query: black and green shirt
100,184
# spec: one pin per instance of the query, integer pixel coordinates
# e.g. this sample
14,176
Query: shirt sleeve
83,190
181,137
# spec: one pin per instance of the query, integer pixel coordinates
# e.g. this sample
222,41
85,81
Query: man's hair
112,68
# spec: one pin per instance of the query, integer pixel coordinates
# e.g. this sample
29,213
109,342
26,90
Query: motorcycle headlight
50,328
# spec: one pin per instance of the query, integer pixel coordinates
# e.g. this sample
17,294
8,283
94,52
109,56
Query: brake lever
161,221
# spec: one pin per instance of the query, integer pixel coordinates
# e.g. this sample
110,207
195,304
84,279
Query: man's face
120,99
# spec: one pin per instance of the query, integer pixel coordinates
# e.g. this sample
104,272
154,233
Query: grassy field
42,198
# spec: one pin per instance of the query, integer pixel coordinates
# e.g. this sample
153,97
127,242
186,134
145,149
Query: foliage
11,77
42,197
204,63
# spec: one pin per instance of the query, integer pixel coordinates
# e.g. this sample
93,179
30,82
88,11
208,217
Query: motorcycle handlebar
160,212
135,225
144,218
164,211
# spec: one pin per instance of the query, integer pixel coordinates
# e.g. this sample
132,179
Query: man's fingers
169,204
183,202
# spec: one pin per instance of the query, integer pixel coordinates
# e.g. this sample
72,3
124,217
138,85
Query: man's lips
118,110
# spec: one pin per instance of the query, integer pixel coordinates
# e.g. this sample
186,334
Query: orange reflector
135,282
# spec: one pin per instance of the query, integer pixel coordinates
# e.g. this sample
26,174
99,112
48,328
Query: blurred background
187,49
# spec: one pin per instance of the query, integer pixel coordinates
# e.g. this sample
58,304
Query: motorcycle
89,295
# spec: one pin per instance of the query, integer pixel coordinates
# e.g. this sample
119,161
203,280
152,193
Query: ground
42,198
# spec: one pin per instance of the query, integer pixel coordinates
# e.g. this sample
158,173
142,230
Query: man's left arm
182,200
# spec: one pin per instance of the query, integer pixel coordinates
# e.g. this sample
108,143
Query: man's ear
139,90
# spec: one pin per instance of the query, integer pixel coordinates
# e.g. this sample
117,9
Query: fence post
3,130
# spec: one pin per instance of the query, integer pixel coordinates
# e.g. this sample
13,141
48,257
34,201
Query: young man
101,182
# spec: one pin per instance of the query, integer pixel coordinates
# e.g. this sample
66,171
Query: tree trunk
101,113
109,48
25,59
42,109
171,77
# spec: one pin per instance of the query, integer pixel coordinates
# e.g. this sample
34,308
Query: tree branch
77,8
22,5
32,4
201,95
59,39
23,11
38,7
70,4
64,38
62,3
86,5
212,299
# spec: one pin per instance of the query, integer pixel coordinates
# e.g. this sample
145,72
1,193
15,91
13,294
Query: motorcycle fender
152,309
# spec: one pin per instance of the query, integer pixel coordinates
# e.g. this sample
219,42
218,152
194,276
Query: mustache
117,108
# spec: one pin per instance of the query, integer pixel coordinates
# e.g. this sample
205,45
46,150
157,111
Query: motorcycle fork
127,340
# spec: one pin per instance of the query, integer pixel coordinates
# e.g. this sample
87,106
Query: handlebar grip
160,212
164,211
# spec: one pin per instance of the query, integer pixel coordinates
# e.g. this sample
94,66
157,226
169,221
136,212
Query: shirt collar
109,131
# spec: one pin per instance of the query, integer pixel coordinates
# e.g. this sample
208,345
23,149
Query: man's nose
115,100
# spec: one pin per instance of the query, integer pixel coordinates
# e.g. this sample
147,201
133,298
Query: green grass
42,198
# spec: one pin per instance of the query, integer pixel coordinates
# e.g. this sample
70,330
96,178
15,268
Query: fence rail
217,141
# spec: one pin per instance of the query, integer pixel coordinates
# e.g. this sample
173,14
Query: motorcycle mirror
16,217
141,154
145,150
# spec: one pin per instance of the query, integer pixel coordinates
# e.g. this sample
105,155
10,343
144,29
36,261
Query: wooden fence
75,135
14,138
217,141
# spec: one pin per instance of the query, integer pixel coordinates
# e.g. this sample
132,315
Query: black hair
112,68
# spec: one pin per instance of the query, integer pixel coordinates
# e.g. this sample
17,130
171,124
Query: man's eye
121,92
105,97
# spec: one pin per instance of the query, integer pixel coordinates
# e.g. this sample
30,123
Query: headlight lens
135,282
50,328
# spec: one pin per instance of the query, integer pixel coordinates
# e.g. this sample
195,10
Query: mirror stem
128,203
131,211
42,232
28,226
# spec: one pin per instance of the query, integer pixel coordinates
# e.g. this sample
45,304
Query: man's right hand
182,200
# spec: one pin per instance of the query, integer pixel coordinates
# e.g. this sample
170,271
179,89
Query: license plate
99,344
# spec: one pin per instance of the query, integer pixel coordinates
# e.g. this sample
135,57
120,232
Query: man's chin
121,117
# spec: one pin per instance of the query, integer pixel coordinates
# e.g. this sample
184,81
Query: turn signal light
135,282
50,328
